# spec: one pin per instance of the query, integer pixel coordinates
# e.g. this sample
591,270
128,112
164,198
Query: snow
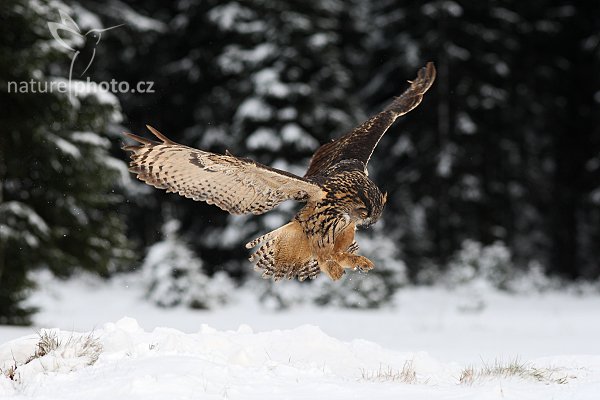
465,124
20,222
505,14
263,138
79,89
235,59
450,7
24,211
229,15
87,20
254,109
90,138
458,52
319,40
64,146
595,196
445,162
290,113
122,12
293,133
123,170
268,84
243,351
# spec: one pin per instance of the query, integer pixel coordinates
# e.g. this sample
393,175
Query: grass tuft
85,347
10,372
387,374
510,369
47,343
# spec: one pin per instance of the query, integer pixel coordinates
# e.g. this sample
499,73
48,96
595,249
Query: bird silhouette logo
82,45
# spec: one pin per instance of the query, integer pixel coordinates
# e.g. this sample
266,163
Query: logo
84,46
83,52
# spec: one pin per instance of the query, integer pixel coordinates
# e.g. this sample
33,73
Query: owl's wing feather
359,143
237,185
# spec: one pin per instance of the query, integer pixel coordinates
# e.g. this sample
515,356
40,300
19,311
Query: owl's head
369,205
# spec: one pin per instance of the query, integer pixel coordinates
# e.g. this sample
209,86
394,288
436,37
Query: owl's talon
365,266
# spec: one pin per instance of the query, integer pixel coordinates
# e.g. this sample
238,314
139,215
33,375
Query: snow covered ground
433,344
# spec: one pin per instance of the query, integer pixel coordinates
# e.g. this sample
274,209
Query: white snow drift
122,361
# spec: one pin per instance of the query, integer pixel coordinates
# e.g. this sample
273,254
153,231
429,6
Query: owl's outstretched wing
237,185
359,143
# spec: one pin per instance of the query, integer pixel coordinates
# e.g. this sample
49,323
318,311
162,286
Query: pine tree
553,106
58,206
454,172
510,152
174,276
135,53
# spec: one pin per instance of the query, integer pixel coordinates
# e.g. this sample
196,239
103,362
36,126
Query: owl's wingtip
138,139
159,135
429,72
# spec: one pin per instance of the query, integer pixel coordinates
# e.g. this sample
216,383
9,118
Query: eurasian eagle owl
338,193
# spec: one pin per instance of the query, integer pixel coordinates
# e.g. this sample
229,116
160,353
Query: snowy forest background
494,179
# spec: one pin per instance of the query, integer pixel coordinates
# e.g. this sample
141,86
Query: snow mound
121,360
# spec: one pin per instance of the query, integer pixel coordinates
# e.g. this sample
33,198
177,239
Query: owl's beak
366,223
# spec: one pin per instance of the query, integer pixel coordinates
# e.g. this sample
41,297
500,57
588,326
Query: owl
336,188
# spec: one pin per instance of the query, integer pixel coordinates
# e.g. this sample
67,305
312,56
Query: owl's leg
332,268
355,262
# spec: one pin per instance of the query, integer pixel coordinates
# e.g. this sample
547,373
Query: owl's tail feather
284,253
261,239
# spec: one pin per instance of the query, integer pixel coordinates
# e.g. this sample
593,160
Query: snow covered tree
512,133
561,104
58,182
133,53
448,164
374,289
174,276
475,262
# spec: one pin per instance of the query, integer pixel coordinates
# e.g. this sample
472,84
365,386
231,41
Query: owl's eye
362,212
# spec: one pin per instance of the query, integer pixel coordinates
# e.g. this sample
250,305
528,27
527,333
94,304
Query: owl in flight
338,193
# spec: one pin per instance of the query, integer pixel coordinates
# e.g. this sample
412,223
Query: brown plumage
339,195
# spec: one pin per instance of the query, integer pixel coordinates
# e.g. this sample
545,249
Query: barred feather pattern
284,253
353,249
360,143
234,184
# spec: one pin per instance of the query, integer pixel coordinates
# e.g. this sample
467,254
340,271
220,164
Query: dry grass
87,347
47,343
510,369
10,372
387,374
83,347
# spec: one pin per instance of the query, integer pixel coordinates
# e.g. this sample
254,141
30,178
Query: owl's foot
333,269
365,266
360,263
